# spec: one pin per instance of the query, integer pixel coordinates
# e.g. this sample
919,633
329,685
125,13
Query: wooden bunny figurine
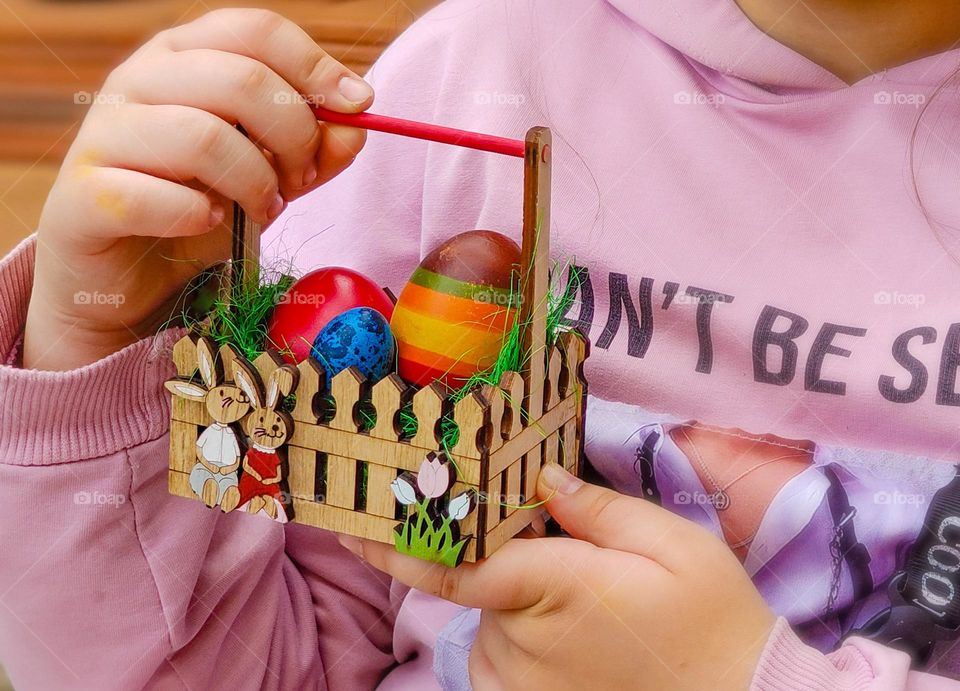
214,477
268,429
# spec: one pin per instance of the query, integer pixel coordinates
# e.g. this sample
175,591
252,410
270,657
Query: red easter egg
314,300
451,318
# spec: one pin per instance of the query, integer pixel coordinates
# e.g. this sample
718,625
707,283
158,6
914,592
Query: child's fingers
284,47
290,52
339,146
515,577
615,521
237,89
183,144
113,202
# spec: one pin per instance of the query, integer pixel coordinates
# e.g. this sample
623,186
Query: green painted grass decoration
431,531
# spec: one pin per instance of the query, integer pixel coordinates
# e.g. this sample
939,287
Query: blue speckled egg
359,338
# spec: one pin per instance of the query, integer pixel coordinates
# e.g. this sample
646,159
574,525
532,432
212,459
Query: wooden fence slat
493,395
342,488
311,379
551,449
388,396
511,383
266,363
530,467
185,357
183,446
302,472
346,388
511,486
492,501
552,388
227,354
380,499
471,415
179,484
428,409
342,481
574,351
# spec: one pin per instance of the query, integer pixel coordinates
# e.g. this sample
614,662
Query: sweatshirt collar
717,34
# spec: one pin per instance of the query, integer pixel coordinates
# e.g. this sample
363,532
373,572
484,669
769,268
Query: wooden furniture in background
54,54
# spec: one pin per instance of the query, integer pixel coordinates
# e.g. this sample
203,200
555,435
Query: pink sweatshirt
758,264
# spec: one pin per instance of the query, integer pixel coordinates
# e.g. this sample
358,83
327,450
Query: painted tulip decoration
405,493
430,531
434,477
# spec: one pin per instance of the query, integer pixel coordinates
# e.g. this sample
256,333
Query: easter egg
451,316
313,301
359,338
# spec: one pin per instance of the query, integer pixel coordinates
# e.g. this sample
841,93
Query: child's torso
760,272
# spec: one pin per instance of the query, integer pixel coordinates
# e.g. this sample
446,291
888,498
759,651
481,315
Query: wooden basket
339,476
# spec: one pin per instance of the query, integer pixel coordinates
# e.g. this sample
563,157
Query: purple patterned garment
827,544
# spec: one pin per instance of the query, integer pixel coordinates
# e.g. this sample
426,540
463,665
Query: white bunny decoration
214,477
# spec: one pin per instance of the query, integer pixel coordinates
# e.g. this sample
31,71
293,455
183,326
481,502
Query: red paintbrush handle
423,130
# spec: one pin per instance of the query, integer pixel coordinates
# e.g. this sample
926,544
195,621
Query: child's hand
139,204
639,598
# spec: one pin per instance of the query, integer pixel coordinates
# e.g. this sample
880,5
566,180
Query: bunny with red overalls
267,428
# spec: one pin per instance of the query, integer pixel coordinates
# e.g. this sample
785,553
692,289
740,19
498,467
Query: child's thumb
613,520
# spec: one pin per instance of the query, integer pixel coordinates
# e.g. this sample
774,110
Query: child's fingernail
557,479
354,90
309,175
217,214
276,207
352,543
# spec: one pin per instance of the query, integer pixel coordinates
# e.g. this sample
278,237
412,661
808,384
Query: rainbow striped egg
451,317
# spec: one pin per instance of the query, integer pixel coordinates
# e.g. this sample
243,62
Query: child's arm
106,581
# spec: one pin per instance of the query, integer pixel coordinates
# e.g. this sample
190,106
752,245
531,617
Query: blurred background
53,53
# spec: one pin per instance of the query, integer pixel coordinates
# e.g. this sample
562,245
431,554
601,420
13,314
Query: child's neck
856,38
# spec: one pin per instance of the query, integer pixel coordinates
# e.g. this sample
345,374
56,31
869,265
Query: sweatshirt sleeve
858,665
108,581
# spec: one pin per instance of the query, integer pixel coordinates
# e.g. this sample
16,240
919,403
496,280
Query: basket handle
535,267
